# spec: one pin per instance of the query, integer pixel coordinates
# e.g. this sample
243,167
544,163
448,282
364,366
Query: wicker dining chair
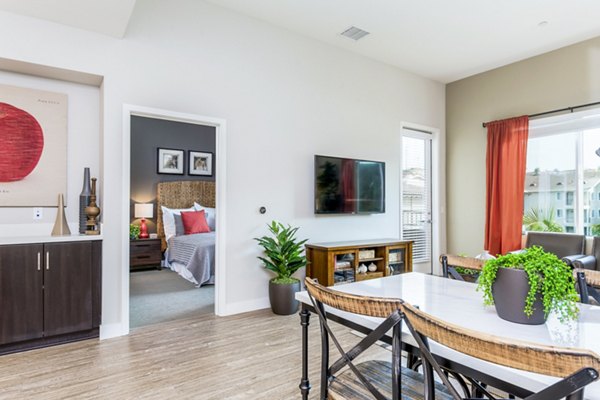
376,379
577,367
450,262
588,284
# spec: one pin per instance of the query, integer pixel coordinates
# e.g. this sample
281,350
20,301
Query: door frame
219,124
438,185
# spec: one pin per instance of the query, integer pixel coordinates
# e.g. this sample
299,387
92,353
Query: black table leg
304,383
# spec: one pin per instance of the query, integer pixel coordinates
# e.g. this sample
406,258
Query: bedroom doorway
172,159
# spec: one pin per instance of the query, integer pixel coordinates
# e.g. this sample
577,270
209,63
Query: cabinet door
67,287
21,301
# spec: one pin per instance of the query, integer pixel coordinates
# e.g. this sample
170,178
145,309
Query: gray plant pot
282,298
510,291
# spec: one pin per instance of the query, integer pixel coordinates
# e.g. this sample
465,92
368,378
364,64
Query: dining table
461,304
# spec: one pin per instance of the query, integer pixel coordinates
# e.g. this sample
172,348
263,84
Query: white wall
285,98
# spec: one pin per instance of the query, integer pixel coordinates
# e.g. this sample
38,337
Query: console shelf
390,256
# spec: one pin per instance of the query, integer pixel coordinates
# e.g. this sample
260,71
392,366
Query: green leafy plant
596,230
539,220
548,276
134,231
284,253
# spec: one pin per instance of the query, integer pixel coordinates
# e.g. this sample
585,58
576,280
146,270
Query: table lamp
144,211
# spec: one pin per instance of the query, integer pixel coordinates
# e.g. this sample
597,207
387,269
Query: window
563,169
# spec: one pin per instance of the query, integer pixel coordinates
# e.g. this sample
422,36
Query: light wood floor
250,356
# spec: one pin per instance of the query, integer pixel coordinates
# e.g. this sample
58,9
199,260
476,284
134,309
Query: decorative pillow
211,215
169,220
179,229
194,222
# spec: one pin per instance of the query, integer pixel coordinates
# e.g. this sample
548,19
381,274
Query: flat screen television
348,186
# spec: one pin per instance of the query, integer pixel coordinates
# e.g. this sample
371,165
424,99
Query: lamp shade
144,210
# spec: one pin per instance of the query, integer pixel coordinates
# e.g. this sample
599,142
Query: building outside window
562,181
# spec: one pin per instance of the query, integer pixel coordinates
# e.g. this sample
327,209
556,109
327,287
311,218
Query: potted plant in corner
284,256
526,286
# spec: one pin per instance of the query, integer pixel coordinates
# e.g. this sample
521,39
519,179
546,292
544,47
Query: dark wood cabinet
21,296
144,253
67,288
49,293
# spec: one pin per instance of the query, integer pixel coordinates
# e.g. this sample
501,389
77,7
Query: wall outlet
37,213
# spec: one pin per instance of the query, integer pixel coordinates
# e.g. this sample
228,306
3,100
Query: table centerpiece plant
526,286
284,255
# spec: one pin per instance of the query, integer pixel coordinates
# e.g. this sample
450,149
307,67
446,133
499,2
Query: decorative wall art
33,147
200,163
170,161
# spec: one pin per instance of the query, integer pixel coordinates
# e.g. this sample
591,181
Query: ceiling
439,39
109,17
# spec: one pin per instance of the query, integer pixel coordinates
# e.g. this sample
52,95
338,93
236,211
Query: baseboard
245,306
108,331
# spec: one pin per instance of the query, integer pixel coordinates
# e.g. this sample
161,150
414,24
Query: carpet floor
161,296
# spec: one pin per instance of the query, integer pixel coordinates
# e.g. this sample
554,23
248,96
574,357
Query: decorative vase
282,297
61,228
372,267
510,291
84,199
92,211
362,269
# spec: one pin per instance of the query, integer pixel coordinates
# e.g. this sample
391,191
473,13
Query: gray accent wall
149,134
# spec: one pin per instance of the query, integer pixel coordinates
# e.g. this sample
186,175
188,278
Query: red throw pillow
194,222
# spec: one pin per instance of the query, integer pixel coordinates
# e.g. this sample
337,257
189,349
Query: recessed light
543,24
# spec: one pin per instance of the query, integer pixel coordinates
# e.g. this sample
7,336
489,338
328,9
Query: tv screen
348,186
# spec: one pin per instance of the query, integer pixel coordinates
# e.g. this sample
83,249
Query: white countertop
4,240
459,303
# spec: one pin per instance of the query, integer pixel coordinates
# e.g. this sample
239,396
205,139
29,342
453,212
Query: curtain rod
570,109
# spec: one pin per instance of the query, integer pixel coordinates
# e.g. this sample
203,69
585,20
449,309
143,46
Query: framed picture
201,163
33,147
170,161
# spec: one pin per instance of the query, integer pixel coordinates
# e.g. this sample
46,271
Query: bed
191,256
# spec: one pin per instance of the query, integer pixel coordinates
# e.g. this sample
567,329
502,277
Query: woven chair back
546,360
371,306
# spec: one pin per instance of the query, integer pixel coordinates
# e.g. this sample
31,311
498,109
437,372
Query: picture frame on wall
170,161
200,163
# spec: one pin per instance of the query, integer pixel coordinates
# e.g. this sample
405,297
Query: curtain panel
505,179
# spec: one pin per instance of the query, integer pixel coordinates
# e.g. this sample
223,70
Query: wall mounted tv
348,186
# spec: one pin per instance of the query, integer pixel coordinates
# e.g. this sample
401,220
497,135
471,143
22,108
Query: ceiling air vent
354,33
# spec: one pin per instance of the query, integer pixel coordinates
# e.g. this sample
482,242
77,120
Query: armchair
567,246
589,261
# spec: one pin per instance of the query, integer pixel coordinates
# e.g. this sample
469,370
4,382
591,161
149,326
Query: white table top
459,303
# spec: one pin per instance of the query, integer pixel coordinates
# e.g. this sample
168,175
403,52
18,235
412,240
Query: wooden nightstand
144,253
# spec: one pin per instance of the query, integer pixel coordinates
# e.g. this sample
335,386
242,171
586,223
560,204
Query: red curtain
506,162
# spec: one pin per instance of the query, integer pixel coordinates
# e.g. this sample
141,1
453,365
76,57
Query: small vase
92,211
61,228
84,199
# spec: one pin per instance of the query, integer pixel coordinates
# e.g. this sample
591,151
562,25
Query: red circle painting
21,143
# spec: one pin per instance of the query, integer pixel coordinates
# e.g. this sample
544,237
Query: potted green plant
526,286
284,256
134,231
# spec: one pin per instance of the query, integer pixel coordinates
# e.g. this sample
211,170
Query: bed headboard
181,194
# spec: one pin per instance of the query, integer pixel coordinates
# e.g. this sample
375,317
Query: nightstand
144,253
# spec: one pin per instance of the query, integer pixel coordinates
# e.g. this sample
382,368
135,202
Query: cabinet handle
47,260
39,261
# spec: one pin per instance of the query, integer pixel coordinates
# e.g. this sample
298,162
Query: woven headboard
181,194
